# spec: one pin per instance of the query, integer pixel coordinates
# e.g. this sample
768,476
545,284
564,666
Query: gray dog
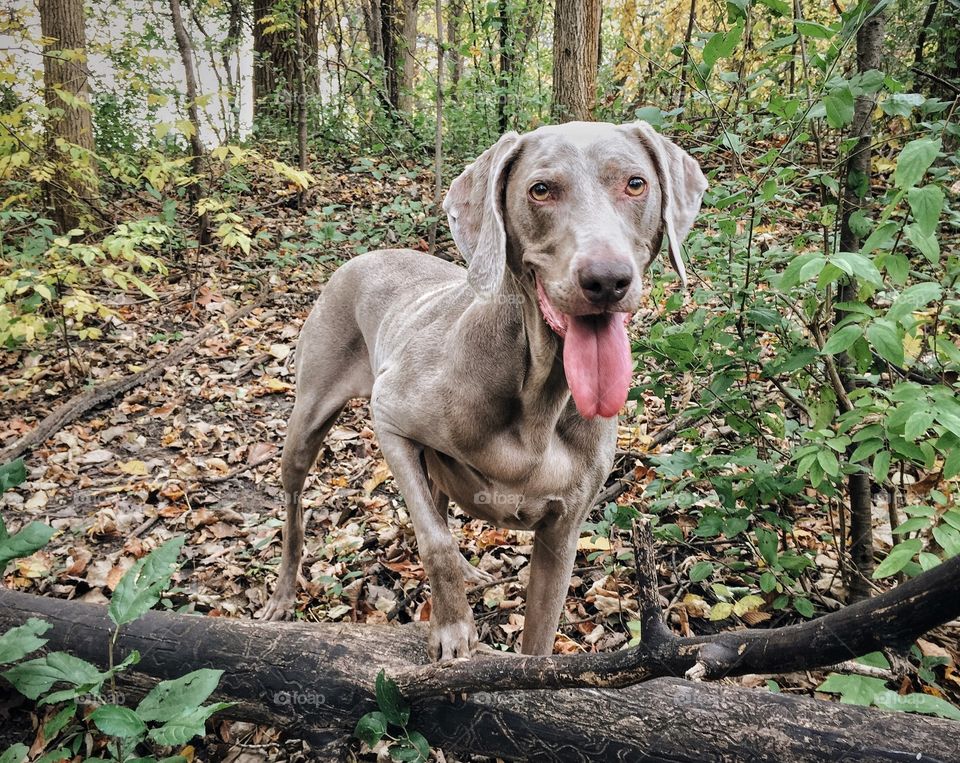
497,386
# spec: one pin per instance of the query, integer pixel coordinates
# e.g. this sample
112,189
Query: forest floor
196,452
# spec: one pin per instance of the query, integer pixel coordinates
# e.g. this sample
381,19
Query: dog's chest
511,484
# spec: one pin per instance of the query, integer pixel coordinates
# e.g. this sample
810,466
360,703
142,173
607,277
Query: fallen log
316,680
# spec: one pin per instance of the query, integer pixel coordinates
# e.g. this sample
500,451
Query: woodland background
177,178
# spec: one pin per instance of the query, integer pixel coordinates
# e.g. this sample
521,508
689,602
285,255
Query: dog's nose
605,281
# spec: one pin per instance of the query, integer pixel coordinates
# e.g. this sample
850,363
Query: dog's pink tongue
597,363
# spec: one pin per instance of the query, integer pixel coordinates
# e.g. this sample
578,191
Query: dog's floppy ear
681,186
474,208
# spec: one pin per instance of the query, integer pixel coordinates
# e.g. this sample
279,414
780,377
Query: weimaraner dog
497,386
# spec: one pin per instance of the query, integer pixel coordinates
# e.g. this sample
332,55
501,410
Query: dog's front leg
453,632
554,551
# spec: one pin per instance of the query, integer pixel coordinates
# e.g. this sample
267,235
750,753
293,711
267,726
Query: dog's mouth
596,357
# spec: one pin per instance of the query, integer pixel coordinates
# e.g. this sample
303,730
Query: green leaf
768,582
118,721
864,450
917,703
828,462
853,690
141,586
841,339
928,245
12,474
914,298
15,754
838,105
18,642
35,677
803,606
395,708
651,115
768,544
31,538
371,728
897,558
700,571
885,339
419,741
926,204
168,699
857,265
721,45
814,30
183,728
914,161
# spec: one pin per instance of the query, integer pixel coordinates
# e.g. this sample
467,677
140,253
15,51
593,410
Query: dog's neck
544,385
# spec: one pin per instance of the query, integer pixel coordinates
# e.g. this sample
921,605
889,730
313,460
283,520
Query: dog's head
581,208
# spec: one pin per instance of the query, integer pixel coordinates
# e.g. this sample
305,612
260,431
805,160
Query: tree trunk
408,42
388,32
454,56
576,34
196,145
855,196
301,101
275,56
65,70
686,52
316,680
506,65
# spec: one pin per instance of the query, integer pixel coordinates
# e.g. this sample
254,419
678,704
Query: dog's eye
636,186
539,192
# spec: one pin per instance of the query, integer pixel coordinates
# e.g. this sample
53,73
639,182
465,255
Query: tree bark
65,71
855,196
275,56
686,52
316,680
196,145
408,43
576,35
301,100
454,56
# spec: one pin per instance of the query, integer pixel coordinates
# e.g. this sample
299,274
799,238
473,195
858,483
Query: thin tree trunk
691,19
438,135
454,56
855,197
275,58
65,70
922,37
576,31
506,65
388,32
196,145
408,54
301,101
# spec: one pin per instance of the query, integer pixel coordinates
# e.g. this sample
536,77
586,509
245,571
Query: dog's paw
452,640
474,575
280,607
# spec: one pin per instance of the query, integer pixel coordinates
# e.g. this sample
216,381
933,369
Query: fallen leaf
134,467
